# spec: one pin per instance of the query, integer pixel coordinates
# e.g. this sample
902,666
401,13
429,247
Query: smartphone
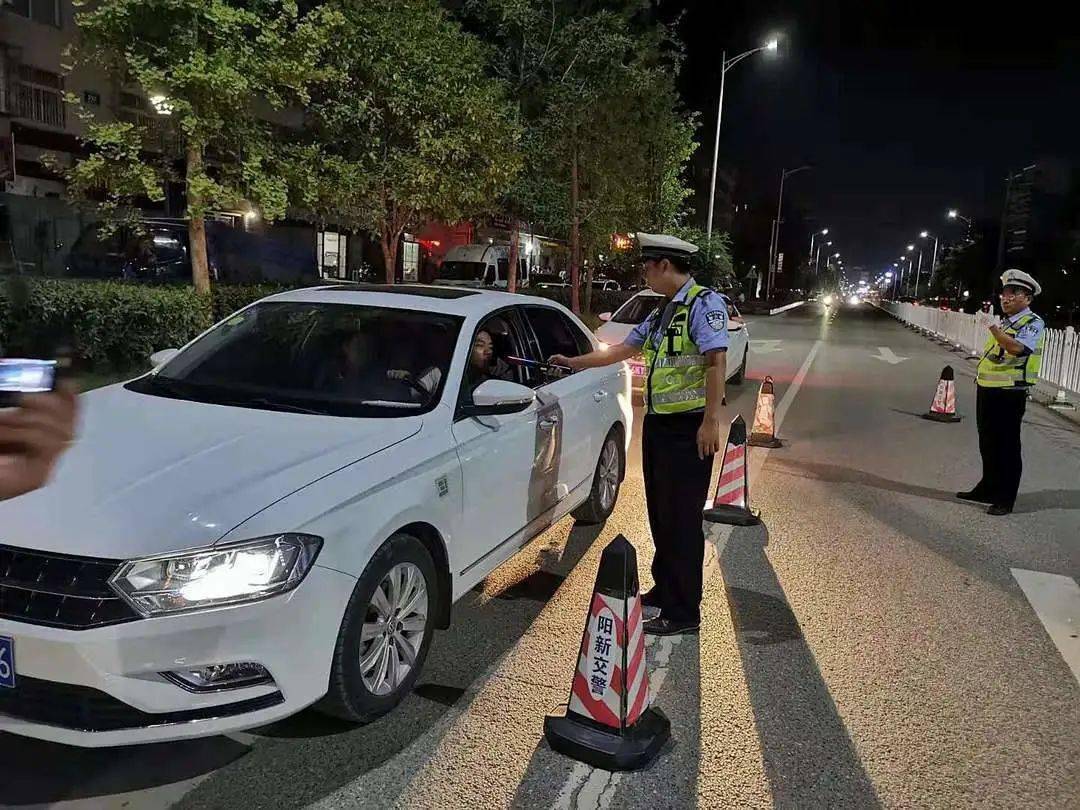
21,376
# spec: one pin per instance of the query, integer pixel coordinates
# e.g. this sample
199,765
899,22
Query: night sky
905,109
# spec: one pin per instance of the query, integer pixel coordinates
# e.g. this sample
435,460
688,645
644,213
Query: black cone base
942,417
606,748
761,440
731,515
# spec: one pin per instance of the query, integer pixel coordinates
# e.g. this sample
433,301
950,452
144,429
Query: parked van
481,266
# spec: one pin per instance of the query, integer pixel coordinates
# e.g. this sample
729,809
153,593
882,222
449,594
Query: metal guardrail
1061,352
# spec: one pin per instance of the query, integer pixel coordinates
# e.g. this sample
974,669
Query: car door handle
600,396
549,423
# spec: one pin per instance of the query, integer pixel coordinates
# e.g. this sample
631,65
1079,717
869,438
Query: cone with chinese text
731,503
763,433
608,722
943,408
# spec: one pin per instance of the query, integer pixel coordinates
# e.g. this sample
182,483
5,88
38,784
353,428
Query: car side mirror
162,357
497,397
604,316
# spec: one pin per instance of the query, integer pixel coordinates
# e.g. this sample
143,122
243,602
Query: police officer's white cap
1018,278
662,246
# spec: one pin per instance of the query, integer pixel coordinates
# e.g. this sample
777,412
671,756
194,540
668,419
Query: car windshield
333,359
637,309
462,271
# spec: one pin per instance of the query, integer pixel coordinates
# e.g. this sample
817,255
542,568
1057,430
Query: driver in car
483,365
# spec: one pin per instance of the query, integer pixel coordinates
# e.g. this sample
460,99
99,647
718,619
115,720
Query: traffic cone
731,504
764,431
943,408
608,722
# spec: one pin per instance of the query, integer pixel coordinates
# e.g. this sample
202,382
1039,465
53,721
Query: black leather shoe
996,509
666,627
973,495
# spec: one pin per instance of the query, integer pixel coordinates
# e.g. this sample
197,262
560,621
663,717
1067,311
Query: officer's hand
987,319
708,438
562,360
32,437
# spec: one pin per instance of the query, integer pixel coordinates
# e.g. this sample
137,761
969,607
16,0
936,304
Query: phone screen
26,376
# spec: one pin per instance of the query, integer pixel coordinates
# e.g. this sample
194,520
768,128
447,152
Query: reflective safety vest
999,369
676,381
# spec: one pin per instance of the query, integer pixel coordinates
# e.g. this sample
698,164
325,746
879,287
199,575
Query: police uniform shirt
707,323
1029,334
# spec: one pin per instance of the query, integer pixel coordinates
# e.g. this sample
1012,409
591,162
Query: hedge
118,325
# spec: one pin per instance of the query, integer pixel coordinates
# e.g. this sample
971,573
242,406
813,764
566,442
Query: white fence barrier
1061,352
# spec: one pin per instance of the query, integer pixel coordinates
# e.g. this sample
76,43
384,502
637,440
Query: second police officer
685,343
1009,367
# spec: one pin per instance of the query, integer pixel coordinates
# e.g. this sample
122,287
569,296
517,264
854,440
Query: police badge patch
717,319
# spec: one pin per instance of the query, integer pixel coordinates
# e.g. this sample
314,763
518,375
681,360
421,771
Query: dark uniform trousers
676,485
998,414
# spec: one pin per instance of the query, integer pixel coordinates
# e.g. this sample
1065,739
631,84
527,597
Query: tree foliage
216,69
407,127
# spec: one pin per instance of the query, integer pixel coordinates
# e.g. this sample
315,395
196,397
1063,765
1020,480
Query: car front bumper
103,686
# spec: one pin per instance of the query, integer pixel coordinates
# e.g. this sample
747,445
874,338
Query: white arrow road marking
588,788
765,346
886,354
1056,601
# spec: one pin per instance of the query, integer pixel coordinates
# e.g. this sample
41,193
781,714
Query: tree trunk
589,270
511,273
389,251
200,267
575,232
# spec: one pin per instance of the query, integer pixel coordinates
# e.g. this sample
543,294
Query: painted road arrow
766,346
886,354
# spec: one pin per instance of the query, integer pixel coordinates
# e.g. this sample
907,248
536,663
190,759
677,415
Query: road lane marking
765,346
1056,601
886,354
588,788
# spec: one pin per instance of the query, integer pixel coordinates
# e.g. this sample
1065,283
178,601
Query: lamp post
813,236
725,65
954,214
774,247
933,261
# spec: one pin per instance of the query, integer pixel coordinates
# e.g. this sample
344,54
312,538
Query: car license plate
7,663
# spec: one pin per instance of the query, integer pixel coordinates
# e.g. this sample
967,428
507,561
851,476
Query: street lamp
933,261
954,214
774,248
813,236
725,65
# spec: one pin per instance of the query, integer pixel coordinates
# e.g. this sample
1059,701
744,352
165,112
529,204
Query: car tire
607,479
368,678
740,375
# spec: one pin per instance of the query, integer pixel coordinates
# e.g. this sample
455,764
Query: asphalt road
870,645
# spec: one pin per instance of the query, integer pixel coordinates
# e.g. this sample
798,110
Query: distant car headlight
241,572
853,300
828,300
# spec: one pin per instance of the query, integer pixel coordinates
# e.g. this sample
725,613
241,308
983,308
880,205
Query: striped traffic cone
943,408
608,722
731,504
763,433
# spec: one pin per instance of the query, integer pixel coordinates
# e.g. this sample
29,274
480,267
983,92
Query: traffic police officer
685,342
1008,368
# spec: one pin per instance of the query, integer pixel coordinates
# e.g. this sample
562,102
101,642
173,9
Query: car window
334,359
556,334
496,352
637,309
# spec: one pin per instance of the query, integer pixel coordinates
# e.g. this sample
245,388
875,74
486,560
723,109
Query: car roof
428,298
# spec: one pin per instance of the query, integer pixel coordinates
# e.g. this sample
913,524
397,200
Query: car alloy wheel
608,470
393,630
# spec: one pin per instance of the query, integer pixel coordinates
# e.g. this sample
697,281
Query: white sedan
618,325
283,512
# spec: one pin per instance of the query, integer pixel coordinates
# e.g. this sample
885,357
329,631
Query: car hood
614,333
150,475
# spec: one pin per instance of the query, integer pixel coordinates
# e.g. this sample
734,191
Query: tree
406,128
213,69
605,136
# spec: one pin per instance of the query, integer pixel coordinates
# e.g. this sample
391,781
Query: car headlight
226,575
828,300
